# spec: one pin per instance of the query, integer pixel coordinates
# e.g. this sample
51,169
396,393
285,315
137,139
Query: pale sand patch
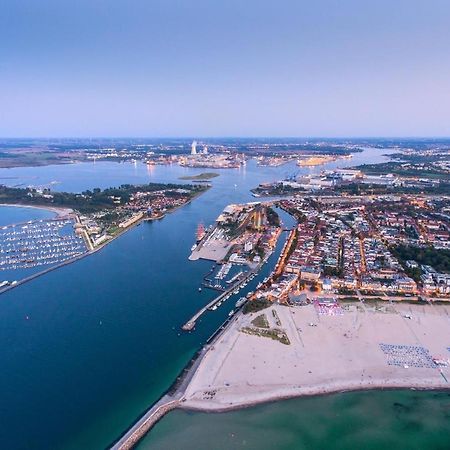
340,353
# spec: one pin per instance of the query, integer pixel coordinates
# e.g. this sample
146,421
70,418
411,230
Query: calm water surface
11,215
360,420
87,348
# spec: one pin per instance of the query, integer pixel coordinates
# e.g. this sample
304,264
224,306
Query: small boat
199,289
231,313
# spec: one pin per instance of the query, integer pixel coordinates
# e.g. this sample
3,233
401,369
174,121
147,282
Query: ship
200,232
240,302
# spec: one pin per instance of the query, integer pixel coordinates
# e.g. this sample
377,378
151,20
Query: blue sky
224,68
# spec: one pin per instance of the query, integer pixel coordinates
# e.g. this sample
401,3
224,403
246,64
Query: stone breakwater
142,426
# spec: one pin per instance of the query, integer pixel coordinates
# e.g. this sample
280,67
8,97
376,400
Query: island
200,176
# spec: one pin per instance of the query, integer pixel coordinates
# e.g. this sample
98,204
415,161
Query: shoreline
318,391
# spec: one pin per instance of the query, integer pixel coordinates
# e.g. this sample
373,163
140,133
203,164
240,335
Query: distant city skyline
154,69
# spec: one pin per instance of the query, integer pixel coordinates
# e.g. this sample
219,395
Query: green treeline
439,259
89,201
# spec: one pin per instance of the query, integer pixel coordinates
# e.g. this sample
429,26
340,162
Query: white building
194,148
248,246
387,180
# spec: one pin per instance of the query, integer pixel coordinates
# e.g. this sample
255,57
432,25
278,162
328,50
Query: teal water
85,349
358,420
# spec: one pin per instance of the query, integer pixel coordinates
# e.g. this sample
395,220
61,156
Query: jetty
190,324
143,425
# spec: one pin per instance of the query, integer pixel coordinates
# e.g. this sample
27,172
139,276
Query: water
81,176
10,215
87,348
360,420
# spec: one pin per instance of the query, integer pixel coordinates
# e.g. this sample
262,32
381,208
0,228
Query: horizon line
221,137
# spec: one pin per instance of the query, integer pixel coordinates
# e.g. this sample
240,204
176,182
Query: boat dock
190,324
213,286
41,242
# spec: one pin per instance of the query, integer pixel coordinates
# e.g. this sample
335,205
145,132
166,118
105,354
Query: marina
216,302
39,243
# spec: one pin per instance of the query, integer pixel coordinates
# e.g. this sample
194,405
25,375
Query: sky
173,68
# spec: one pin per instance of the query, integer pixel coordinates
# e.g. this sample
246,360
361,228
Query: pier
190,324
214,287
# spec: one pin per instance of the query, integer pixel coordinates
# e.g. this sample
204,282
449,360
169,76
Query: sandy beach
364,348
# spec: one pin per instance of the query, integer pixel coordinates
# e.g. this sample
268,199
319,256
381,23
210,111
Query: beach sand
341,352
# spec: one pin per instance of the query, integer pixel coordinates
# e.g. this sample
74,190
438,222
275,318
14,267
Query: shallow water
354,420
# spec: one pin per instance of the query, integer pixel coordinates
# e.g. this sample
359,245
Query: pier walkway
190,324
